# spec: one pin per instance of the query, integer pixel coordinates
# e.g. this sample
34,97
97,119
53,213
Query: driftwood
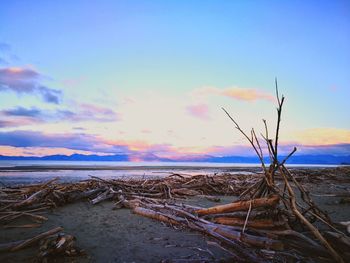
58,246
257,223
305,212
241,205
17,245
32,199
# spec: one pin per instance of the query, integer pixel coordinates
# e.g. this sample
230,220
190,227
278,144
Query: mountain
297,159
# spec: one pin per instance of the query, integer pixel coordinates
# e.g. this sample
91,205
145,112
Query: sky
151,77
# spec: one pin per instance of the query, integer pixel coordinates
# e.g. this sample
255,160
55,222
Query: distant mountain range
297,159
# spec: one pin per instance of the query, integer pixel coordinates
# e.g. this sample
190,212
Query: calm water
23,172
120,164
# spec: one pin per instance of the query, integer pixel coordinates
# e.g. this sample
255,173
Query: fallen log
157,215
256,223
108,194
240,214
58,246
185,191
208,227
17,245
240,206
77,195
32,199
341,241
296,240
256,241
23,226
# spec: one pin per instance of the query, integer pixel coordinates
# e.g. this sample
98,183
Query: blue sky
152,75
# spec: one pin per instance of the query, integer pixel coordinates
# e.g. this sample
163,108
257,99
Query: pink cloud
237,93
247,94
200,111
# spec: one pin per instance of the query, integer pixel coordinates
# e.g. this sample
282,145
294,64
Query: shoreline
23,175
155,167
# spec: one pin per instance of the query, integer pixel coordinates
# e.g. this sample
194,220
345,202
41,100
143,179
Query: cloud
20,111
89,112
21,116
39,139
98,112
50,95
236,93
323,136
41,151
81,141
74,141
25,80
9,123
200,111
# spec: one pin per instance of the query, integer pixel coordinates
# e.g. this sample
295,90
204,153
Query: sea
28,172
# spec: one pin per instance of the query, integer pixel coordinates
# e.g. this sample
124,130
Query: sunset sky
111,77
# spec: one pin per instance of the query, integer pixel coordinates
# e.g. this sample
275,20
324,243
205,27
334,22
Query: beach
110,235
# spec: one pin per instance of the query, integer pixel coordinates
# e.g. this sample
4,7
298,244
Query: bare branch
247,137
288,156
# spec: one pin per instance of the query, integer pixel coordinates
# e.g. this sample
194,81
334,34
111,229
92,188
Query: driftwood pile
29,203
258,229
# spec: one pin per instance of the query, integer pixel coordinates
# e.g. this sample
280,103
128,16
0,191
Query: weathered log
257,241
32,199
313,229
23,226
227,232
240,214
240,205
157,215
341,242
17,245
185,191
6,247
57,246
103,196
256,223
37,238
16,214
299,241
78,195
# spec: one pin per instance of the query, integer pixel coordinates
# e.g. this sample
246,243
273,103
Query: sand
109,235
119,235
